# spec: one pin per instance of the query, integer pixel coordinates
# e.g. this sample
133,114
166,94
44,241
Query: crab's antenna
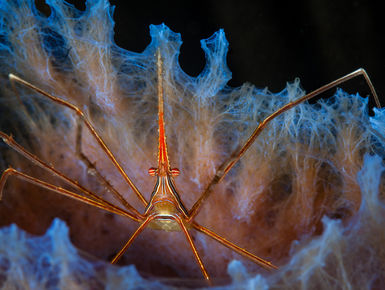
163,163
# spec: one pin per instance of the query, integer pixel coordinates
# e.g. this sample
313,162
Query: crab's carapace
165,202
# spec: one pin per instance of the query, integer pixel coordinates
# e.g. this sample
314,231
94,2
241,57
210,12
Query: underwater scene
307,195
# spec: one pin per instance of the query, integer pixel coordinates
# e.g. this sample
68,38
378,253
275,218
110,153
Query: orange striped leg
34,159
106,206
91,128
82,156
196,255
235,248
234,158
129,242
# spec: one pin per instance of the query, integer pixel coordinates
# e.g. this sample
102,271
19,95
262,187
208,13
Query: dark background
271,42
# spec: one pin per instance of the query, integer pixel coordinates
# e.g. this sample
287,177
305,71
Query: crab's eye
175,172
152,171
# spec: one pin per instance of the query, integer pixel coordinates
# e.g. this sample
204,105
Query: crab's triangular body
165,201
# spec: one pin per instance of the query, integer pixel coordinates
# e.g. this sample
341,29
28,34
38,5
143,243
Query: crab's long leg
103,205
90,128
134,235
92,166
193,248
34,159
239,250
228,164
